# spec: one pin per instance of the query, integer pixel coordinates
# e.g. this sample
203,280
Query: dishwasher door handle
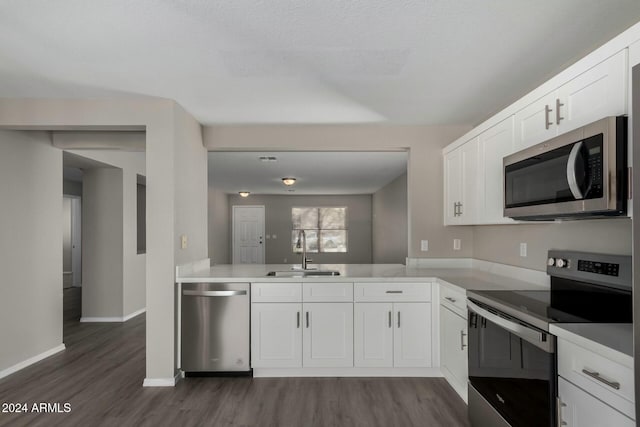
213,293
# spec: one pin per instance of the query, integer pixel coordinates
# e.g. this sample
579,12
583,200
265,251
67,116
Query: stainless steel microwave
580,174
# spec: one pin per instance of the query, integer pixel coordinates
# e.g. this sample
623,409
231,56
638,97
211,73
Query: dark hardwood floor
100,375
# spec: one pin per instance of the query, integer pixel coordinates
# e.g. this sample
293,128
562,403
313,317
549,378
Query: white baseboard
346,372
30,361
100,319
161,382
112,319
134,314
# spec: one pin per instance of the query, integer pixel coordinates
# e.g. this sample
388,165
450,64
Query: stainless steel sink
303,273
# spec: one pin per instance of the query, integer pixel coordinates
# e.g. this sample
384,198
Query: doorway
72,241
248,234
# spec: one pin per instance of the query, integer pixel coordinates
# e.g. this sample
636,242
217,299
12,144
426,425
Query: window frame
319,230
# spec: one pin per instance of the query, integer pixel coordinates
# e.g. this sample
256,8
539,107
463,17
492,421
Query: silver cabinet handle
390,318
459,208
455,208
298,320
547,111
213,293
307,315
558,116
462,344
398,319
450,299
394,292
596,376
559,406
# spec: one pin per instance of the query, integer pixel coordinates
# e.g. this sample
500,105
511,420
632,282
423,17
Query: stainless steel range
512,359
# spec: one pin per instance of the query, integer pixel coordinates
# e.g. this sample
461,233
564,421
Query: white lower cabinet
328,335
453,349
276,335
285,335
392,335
580,409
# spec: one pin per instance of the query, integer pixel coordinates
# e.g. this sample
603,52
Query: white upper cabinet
494,144
534,122
594,94
460,177
473,171
598,92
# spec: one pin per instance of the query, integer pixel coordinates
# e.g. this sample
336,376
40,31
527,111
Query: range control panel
599,269
606,268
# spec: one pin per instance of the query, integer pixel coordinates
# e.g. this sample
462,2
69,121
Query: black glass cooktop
568,301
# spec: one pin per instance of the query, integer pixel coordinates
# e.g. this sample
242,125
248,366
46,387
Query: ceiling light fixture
244,193
288,181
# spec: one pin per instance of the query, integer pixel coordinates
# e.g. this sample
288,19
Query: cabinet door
412,335
453,338
276,335
328,335
461,183
580,409
598,92
494,144
452,185
373,335
530,122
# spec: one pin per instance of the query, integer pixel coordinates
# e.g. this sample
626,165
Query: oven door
512,370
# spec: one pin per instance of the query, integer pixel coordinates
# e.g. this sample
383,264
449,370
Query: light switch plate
523,250
457,244
424,245
183,241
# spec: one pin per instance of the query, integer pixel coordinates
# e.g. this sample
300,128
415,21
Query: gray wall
390,227
102,248
278,222
424,170
501,243
219,228
30,246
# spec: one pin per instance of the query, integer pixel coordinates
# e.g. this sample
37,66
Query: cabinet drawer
276,292
327,292
454,300
609,381
392,292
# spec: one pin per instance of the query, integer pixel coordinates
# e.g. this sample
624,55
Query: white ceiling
316,172
302,61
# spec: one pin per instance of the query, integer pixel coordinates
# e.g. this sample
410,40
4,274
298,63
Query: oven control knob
561,263
551,262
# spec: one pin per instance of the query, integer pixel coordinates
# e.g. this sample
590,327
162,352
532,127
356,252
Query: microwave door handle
537,338
572,179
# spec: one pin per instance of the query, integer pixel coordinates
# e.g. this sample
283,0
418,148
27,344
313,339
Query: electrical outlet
523,250
274,236
285,260
268,236
424,245
183,241
456,244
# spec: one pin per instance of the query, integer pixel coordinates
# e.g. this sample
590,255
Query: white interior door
248,234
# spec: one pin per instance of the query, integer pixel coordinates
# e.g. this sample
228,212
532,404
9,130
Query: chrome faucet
303,244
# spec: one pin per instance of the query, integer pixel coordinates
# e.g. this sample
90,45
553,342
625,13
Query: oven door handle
538,338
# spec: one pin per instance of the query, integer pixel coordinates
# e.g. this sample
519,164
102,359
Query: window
325,229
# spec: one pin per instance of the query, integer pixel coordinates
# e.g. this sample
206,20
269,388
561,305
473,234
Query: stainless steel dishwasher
215,327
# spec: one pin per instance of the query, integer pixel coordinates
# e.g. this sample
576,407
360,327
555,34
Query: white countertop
611,340
462,278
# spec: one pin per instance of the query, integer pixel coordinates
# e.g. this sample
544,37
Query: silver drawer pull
394,292
450,299
596,376
213,293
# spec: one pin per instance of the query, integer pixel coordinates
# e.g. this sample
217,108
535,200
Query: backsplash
501,243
